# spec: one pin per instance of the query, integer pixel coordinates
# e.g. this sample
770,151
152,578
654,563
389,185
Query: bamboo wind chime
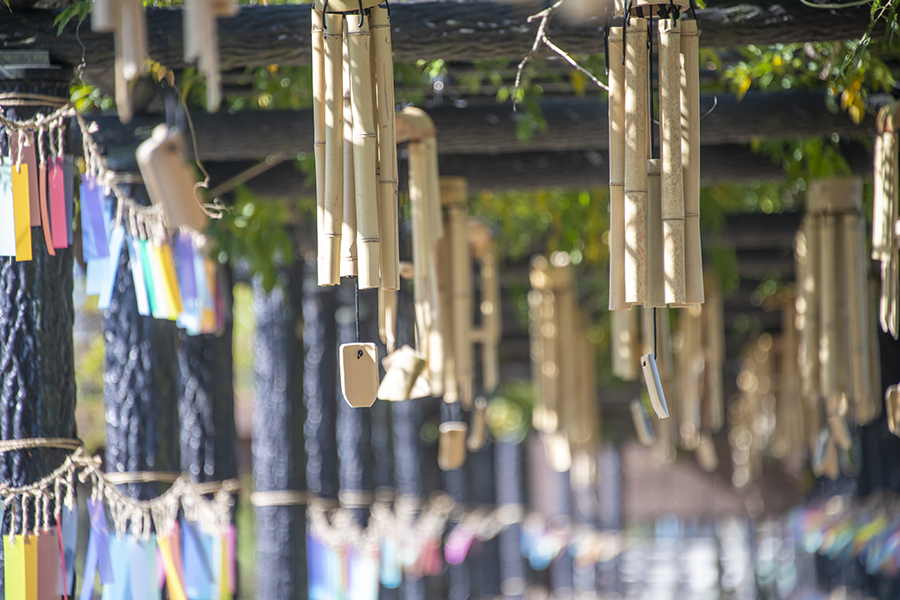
356,167
201,42
884,217
563,363
837,353
655,257
126,20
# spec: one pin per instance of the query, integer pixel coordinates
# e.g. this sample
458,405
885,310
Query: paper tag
7,212
458,543
156,281
120,587
359,374
29,157
143,574
42,205
363,575
22,211
93,226
90,568
57,193
184,257
230,543
137,275
315,555
115,251
48,564
173,577
14,576
69,533
390,575
171,279
68,165
147,272
101,532
198,574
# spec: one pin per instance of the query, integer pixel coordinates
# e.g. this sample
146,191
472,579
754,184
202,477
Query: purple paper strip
93,227
184,262
90,569
100,530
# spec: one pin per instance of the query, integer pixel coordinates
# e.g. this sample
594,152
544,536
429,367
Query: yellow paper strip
225,572
30,543
14,576
22,211
173,581
160,283
171,279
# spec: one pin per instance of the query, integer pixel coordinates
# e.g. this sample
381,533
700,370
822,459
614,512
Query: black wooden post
510,492
319,386
37,364
458,577
140,385
206,403
353,424
279,455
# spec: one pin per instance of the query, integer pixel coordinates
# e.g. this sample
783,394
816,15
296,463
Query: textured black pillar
37,365
458,576
206,405
319,385
140,385
279,458
484,563
510,491
353,424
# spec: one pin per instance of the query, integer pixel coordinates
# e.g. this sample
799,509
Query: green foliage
509,411
274,87
79,8
87,98
791,66
253,230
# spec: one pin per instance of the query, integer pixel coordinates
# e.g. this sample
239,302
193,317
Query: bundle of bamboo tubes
356,162
884,216
201,42
563,362
835,351
655,257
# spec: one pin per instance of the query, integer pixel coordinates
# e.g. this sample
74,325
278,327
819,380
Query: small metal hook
324,20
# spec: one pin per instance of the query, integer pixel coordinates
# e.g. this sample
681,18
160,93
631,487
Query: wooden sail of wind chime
126,20
655,255
563,365
836,351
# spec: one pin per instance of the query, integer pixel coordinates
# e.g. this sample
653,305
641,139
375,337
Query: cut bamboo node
344,6
834,195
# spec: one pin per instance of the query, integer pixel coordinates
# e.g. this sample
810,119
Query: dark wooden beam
572,125
447,29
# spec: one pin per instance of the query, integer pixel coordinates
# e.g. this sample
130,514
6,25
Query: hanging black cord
655,337
359,353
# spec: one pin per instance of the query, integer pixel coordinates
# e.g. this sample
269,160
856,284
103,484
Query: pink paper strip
57,192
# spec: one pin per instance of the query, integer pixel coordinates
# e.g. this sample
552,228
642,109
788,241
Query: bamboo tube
791,420
318,80
636,136
714,330
491,318
672,178
545,416
536,351
387,142
858,313
690,160
445,318
365,156
333,211
892,408
691,373
874,357
387,318
880,205
625,351
826,291
453,197
452,445
565,309
616,171
807,256
656,274
348,227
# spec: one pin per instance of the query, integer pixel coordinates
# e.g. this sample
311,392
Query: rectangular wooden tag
359,374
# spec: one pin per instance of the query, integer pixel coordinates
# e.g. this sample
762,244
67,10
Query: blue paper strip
90,568
115,250
120,588
184,262
69,530
143,570
198,575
